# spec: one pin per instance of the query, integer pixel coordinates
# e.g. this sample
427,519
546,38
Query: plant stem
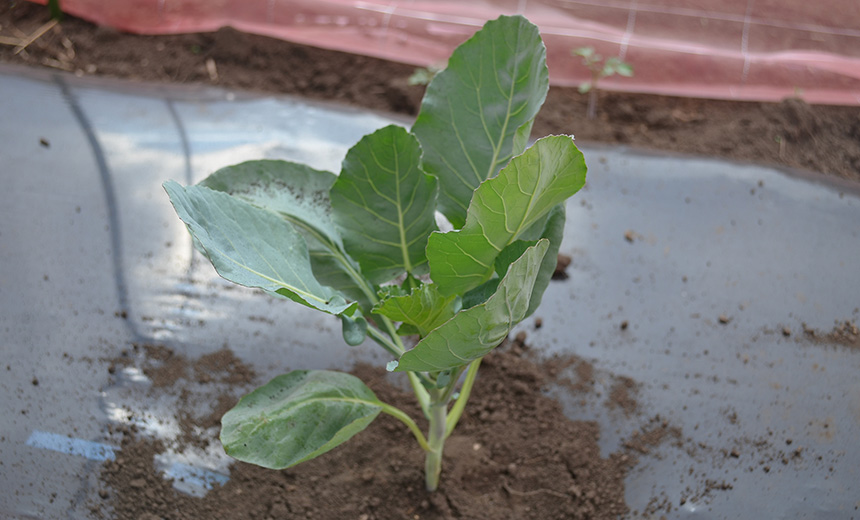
420,393
385,342
436,441
592,102
395,347
452,386
460,404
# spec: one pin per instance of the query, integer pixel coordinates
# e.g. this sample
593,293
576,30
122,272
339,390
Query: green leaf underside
384,204
477,112
502,209
296,417
251,246
424,308
292,189
299,194
474,332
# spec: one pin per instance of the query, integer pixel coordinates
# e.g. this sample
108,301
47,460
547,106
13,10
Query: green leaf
424,308
480,293
384,204
509,255
407,329
585,52
296,417
554,232
296,191
252,246
474,332
494,84
521,138
504,208
617,66
300,195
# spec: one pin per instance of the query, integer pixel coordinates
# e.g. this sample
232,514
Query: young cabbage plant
364,245
599,69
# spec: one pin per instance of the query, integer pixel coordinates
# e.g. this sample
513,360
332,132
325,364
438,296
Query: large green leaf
477,113
296,417
252,246
423,308
474,332
299,194
384,204
503,209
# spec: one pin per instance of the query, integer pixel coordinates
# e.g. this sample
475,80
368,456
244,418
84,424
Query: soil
514,455
845,333
823,139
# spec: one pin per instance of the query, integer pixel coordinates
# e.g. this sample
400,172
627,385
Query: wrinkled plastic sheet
734,49
93,259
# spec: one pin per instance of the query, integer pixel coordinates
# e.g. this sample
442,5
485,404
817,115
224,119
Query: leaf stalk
465,391
436,440
400,415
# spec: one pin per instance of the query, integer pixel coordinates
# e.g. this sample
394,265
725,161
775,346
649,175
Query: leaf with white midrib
503,208
296,417
299,194
474,110
383,204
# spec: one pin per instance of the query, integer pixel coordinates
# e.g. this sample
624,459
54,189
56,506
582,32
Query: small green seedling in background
424,75
599,70
56,10
364,246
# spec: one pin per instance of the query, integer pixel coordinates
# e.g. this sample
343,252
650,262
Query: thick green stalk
435,441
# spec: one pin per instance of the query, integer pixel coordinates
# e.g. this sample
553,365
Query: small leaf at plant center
474,332
424,308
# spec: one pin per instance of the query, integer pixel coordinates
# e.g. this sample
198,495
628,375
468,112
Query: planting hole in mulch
514,455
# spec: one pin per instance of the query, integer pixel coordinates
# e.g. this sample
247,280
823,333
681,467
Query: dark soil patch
823,139
514,456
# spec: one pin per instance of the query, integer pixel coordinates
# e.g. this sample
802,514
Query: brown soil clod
561,266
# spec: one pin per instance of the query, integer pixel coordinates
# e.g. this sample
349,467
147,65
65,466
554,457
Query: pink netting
732,49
